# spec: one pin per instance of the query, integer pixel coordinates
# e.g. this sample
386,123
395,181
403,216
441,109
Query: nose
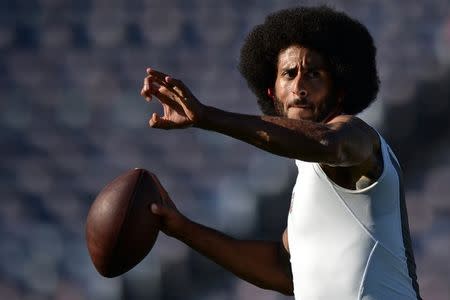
298,87
303,93
300,92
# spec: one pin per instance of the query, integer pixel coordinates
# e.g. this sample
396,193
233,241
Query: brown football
120,229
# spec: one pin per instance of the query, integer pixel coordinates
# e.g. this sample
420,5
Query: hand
172,221
181,108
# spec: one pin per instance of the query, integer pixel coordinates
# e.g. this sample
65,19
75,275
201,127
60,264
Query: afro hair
344,42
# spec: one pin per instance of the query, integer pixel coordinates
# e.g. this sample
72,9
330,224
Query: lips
299,103
303,106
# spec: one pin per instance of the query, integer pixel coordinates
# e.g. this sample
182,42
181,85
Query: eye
290,73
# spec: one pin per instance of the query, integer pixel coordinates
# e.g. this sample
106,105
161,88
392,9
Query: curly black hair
344,42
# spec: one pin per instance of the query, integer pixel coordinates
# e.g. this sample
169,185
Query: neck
334,113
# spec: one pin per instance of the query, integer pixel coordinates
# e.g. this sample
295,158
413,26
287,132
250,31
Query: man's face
303,86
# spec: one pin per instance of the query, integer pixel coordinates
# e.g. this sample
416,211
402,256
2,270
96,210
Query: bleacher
71,119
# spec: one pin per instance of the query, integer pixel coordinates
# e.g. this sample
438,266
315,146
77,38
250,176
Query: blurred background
71,119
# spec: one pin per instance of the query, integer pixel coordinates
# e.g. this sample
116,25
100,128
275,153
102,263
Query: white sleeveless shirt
350,244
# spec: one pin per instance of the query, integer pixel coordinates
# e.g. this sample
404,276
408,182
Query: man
347,235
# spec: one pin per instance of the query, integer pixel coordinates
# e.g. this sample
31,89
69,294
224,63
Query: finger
168,96
171,98
164,78
185,95
146,94
157,79
153,89
168,103
154,120
152,82
146,89
167,81
164,95
148,80
154,209
164,195
157,74
161,123
176,85
158,209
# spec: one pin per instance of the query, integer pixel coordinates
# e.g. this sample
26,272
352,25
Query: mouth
299,103
302,106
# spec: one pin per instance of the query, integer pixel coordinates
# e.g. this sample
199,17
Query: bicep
353,141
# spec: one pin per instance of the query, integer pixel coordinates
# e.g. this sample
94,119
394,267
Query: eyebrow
315,63
289,67
310,66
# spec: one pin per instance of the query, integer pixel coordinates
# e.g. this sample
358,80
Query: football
120,228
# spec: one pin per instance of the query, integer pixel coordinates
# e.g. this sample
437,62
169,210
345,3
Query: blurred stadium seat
71,119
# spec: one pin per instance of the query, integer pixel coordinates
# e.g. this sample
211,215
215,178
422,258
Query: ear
271,93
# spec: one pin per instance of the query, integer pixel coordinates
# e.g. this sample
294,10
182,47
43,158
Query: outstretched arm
262,263
344,141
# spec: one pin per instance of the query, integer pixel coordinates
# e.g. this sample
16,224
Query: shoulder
355,124
357,140
350,120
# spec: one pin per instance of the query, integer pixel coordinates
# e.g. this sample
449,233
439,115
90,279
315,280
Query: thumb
158,209
158,122
153,122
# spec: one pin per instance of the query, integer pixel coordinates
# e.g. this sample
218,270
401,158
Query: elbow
289,292
285,288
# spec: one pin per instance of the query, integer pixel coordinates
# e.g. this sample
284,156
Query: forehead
298,55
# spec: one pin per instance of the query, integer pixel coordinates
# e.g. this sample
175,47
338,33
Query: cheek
320,90
282,90
318,86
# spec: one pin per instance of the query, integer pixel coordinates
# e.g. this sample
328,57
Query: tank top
351,244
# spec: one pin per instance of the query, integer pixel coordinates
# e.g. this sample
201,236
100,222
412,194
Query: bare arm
263,263
344,141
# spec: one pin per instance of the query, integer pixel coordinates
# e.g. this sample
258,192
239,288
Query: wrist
181,233
203,117
188,232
